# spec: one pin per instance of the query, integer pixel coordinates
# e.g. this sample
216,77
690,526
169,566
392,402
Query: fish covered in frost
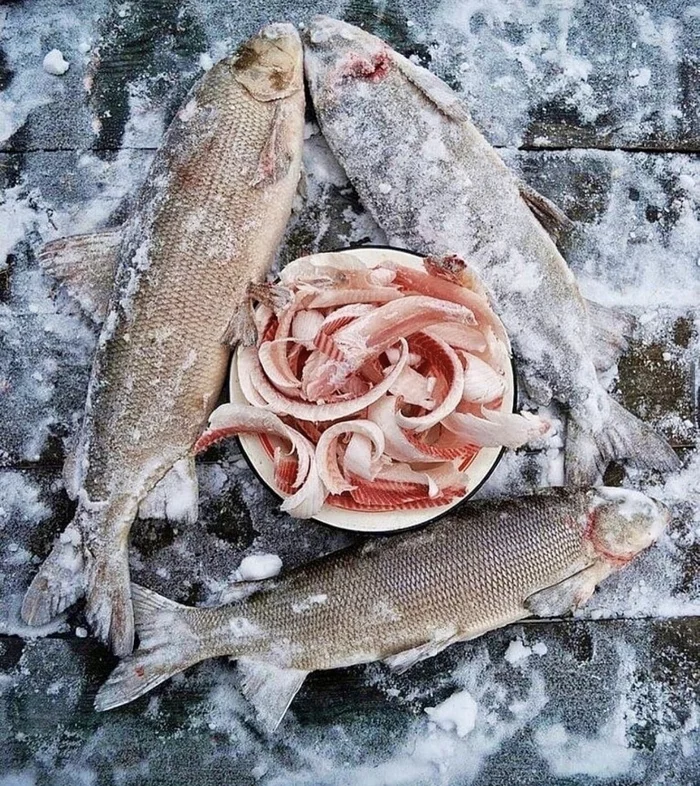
398,599
205,226
434,184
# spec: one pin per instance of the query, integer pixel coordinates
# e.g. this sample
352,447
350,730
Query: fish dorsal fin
567,595
433,88
553,219
86,266
401,661
269,689
175,497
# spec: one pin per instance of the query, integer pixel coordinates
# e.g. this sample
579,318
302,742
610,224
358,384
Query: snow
256,567
54,63
458,713
518,652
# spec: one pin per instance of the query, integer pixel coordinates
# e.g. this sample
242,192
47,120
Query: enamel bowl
475,474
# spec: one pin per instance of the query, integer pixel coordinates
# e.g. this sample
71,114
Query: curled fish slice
343,297
495,428
275,363
437,287
397,444
470,339
445,361
445,448
372,334
278,402
327,266
230,419
385,501
482,384
329,469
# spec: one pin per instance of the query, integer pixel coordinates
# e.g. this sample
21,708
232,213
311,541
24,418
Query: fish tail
60,581
622,436
108,606
167,646
90,560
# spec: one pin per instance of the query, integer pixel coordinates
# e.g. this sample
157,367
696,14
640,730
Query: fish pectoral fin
610,331
86,266
275,155
432,88
567,595
553,218
401,661
241,327
175,497
269,689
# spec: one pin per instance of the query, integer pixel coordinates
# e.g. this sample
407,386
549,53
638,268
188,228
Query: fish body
435,185
399,599
206,224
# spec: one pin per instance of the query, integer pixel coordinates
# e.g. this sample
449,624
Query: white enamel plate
475,474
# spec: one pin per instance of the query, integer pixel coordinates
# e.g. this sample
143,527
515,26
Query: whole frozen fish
206,224
399,599
434,184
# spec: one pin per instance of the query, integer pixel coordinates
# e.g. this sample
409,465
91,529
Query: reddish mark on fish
589,534
373,69
140,671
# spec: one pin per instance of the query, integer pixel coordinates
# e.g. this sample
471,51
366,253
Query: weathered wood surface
621,679
365,725
593,74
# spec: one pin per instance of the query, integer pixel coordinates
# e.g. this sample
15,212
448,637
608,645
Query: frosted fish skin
206,224
435,185
401,598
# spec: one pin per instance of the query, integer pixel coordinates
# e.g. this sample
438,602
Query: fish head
623,522
270,65
340,58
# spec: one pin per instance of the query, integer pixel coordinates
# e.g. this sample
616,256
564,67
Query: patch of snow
54,63
256,567
457,713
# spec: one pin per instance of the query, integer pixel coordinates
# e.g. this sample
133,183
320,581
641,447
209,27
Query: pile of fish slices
171,290
370,420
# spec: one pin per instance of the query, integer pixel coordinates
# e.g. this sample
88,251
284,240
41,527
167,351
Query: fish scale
400,598
205,225
463,573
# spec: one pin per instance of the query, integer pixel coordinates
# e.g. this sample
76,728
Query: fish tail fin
97,567
623,436
108,606
60,581
167,646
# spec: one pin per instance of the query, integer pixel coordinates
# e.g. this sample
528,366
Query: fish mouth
278,30
322,30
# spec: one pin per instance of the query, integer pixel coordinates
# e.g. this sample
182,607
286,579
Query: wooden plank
597,75
616,699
